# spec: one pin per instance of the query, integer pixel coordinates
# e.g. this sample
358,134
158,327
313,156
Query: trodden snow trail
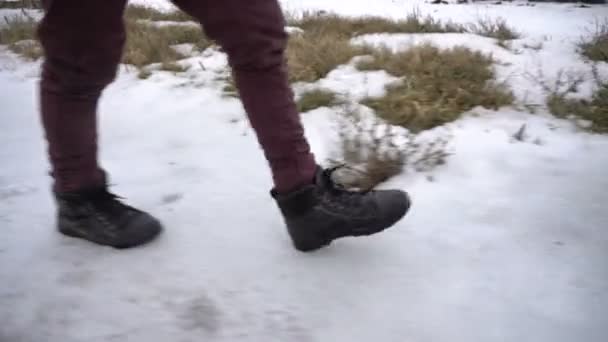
506,242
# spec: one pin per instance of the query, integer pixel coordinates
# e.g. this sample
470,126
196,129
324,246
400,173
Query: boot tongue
323,178
111,204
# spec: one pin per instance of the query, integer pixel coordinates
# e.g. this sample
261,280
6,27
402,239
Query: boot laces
347,197
109,204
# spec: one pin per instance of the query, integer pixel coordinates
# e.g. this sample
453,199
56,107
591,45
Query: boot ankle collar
298,202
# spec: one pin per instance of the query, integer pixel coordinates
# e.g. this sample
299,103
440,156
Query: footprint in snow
76,278
8,192
200,313
171,198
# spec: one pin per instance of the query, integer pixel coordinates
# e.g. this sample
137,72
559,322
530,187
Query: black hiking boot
322,212
98,216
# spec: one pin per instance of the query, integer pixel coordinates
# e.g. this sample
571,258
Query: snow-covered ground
508,242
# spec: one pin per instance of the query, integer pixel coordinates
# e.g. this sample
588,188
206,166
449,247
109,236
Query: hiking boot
99,216
319,213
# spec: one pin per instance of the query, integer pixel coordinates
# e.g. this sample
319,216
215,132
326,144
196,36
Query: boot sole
141,238
315,243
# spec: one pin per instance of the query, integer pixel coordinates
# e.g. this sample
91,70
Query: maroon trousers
83,41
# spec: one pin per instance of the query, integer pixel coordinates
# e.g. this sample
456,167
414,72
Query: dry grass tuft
325,42
173,67
29,49
439,85
33,4
315,99
147,43
494,28
594,110
229,89
142,12
375,151
333,24
19,33
144,74
595,47
16,28
561,104
312,56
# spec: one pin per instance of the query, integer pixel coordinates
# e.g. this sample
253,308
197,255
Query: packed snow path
507,242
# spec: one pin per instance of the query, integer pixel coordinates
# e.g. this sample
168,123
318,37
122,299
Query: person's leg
315,209
83,41
253,35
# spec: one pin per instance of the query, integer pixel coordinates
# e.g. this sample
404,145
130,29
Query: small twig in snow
521,133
